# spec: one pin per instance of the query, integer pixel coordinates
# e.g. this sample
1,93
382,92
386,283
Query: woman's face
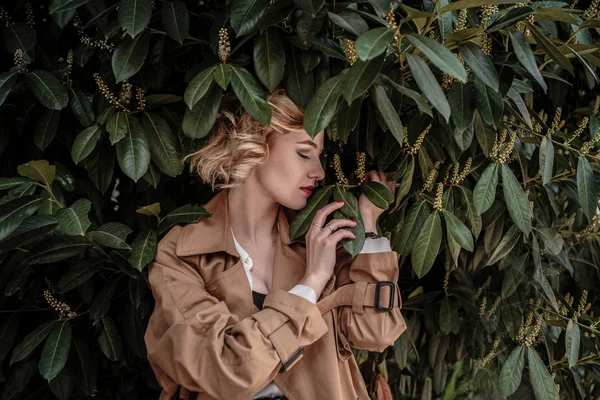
293,163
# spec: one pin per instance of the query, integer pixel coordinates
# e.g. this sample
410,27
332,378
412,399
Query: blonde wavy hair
237,143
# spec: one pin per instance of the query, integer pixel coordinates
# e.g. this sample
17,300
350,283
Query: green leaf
428,84
77,275
525,56
45,129
176,20
510,375
550,49
102,301
474,217
485,189
461,103
31,341
360,77
515,275
388,112
321,108
509,17
459,5
47,89
130,55
410,228
19,36
419,99
8,332
373,42
56,350
82,107
459,231
427,245
199,86
439,55
133,153
74,220
7,81
541,381
245,14
58,6
117,127
109,340
12,213
222,75
304,217
187,214
516,201
112,234
143,249
586,188
447,311
31,229
309,6
250,94
198,121
56,249
546,160
38,170
350,211
269,58
349,22
86,365
378,194
572,340
553,241
480,64
134,16
164,145
509,240
85,143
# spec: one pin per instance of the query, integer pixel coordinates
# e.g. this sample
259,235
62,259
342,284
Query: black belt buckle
380,284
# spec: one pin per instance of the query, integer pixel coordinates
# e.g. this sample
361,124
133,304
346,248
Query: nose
317,173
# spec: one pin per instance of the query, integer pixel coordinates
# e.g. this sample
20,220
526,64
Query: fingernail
340,201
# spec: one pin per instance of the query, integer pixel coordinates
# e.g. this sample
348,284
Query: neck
252,215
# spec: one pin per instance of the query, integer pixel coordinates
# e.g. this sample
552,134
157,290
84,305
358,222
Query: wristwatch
371,235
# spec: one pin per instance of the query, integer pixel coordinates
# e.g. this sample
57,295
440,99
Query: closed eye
303,156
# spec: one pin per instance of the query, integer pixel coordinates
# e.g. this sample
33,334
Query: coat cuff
297,324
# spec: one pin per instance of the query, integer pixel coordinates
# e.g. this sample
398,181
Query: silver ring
330,228
315,224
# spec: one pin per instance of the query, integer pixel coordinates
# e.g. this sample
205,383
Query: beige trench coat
206,334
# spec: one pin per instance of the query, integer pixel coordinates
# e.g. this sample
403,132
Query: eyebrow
313,144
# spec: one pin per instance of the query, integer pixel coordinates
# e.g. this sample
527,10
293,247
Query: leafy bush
485,112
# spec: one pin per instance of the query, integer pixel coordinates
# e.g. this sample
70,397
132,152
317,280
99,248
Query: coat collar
213,234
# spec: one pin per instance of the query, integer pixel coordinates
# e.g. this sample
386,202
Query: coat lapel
213,234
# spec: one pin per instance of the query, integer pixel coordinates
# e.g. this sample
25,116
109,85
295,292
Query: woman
236,314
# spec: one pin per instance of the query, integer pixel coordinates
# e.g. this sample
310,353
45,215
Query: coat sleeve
362,325
194,340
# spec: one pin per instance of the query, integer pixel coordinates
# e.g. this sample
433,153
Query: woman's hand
369,211
321,245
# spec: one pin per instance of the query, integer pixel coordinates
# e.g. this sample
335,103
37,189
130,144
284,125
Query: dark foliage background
485,112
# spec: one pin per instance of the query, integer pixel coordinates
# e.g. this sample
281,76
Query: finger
321,215
337,224
341,234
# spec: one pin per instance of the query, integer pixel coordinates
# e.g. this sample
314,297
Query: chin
296,204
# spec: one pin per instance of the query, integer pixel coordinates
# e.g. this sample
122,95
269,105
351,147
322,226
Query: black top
259,299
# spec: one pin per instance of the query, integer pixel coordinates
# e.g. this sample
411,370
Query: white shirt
370,246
